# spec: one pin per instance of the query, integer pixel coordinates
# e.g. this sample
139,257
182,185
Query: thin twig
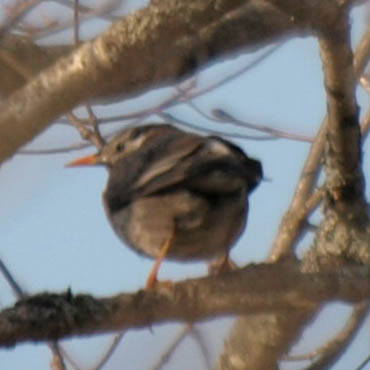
363,364
116,341
197,336
16,13
57,362
85,132
170,101
332,345
172,347
225,117
98,138
72,362
170,117
86,9
17,290
58,150
365,82
76,37
365,125
239,72
104,8
184,92
331,351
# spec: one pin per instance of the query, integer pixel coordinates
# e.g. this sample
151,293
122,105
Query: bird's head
122,145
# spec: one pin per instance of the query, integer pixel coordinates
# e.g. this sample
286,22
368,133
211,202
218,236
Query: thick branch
340,239
343,163
254,289
153,46
292,225
344,233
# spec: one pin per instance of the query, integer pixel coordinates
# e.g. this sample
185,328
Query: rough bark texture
257,290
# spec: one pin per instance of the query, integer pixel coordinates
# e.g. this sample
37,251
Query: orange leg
152,278
221,265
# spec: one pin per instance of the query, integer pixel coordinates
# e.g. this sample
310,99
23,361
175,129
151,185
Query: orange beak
89,160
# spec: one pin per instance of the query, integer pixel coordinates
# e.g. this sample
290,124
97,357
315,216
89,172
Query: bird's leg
152,278
222,264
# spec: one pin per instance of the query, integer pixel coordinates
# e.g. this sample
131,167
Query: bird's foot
154,283
221,265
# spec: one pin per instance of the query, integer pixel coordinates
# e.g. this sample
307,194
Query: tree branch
253,289
153,46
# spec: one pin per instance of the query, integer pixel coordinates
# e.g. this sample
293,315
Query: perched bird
175,194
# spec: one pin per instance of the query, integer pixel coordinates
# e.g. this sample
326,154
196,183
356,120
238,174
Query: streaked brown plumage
163,180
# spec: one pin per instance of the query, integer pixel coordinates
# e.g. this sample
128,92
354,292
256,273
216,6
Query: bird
173,194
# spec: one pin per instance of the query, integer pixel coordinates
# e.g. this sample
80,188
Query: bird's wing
171,169
206,165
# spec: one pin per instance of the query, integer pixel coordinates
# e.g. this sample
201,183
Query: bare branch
141,35
17,289
116,341
227,117
254,289
57,362
291,227
330,352
103,9
172,348
344,177
16,13
170,117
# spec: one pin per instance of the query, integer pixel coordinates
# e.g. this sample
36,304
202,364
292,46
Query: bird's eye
120,147
136,133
